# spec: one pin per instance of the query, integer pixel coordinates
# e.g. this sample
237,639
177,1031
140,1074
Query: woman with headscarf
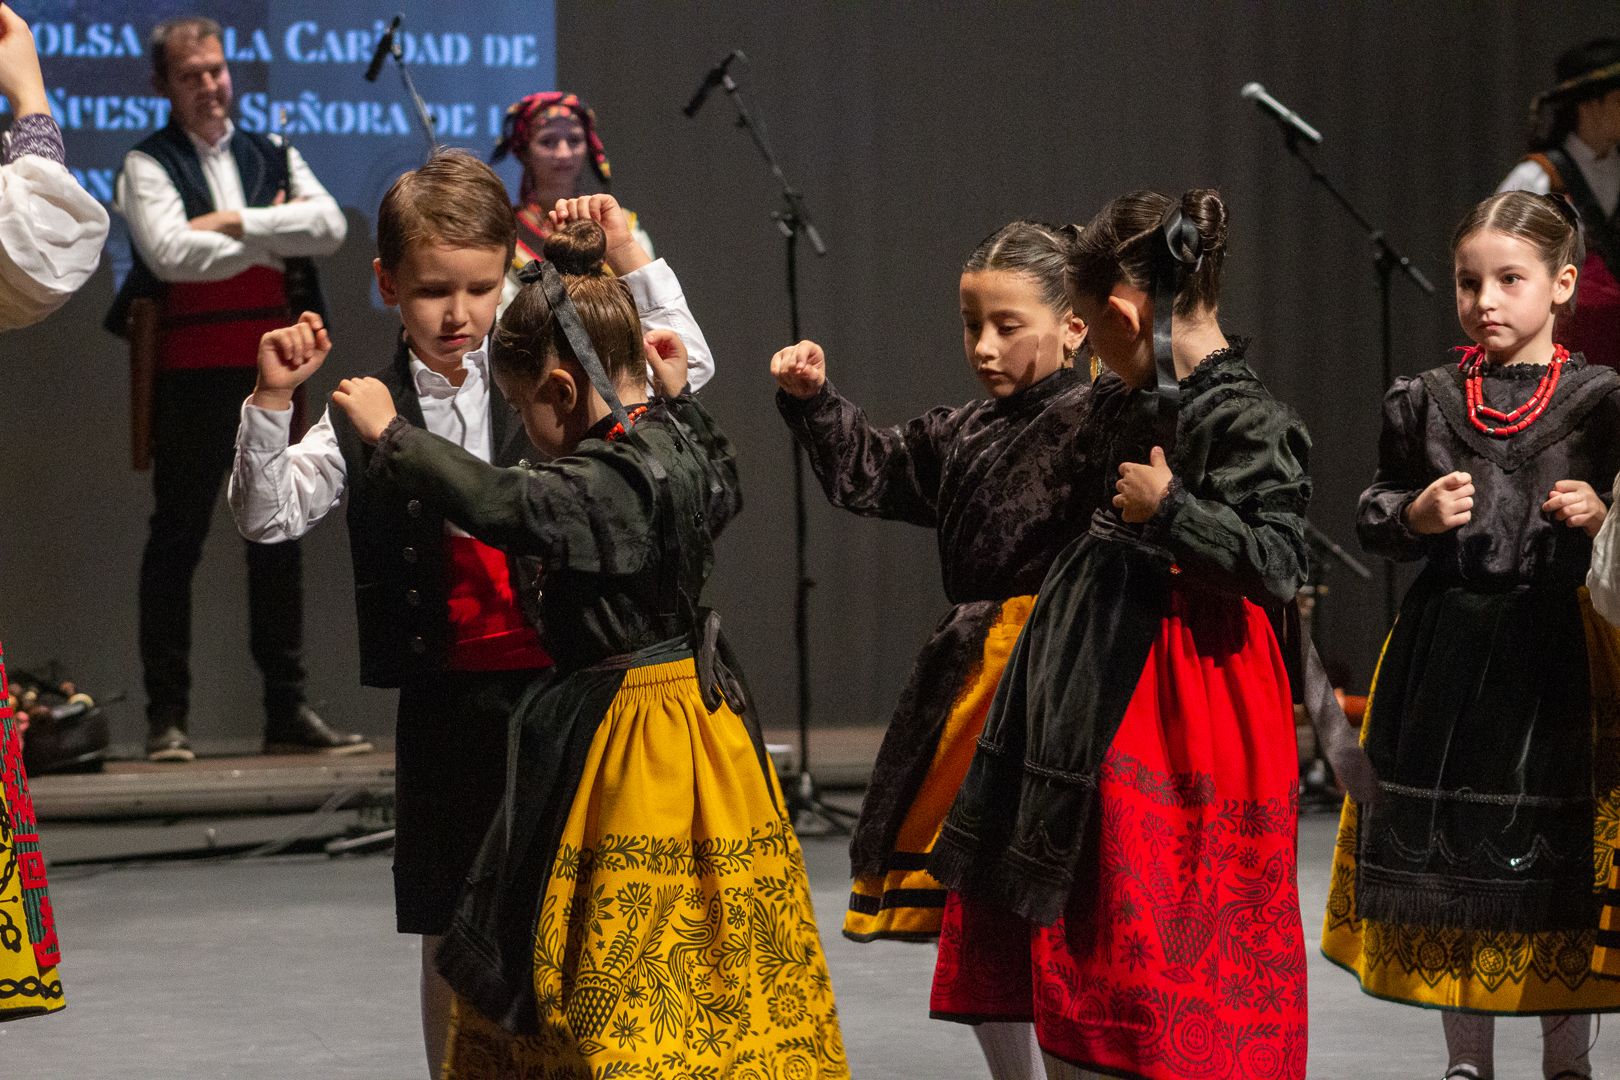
553,136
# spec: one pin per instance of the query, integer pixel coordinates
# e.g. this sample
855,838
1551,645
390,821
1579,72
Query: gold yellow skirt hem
675,936
906,902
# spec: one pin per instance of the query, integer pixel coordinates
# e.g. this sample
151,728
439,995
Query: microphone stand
423,117
793,220
1323,542
1385,261
1318,787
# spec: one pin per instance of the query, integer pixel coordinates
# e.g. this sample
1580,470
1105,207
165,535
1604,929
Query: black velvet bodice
1006,484
1509,540
1234,516
996,479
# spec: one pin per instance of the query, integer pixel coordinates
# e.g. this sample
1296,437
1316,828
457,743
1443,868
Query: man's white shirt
1602,174
309,223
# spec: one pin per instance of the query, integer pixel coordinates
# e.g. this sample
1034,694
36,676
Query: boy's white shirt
278,492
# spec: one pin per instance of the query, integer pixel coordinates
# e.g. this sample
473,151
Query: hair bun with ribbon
1182,239
577,248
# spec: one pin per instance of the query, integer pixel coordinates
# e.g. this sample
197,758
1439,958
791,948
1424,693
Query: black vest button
418,646
413,598
409,555
414,508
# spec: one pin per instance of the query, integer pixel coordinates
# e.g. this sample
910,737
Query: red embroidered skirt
29,984
1182,958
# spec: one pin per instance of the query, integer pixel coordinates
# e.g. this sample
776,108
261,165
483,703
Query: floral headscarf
524,118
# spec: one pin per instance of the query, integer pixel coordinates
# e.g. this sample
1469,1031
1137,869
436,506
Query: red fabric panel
487,629
19,838
232,343
1594,329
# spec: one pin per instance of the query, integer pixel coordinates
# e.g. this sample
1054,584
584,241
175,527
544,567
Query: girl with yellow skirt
640,907
29,984
1471,883
1000,481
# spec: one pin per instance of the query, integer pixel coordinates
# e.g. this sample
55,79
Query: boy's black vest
397,542
263,164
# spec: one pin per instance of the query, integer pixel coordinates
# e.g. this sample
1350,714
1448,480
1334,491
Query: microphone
1293,125
385,45
714,78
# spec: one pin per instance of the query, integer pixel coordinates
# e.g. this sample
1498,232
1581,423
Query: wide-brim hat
1584,72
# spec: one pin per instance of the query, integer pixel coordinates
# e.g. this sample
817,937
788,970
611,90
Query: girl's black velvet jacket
1004,484
1233,522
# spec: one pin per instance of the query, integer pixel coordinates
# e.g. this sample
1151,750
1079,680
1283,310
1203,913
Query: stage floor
289,966
229,777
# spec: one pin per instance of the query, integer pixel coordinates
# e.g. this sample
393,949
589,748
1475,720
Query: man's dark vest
1602,230
397,542
262,162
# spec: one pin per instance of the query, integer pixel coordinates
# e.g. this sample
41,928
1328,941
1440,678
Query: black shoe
168,743
304,732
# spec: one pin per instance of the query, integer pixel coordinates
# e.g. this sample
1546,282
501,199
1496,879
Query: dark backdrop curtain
914,129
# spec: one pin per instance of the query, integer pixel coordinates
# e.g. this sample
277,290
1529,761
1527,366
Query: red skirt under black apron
1183,957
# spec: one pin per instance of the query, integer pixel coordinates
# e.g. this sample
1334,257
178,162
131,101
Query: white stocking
1010,1050
1470,1043
1564,1043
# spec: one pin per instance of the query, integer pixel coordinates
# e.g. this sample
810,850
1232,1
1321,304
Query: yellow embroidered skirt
1510,973
29,984
675,934
906,902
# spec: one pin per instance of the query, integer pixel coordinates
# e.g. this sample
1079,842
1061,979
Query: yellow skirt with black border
906,902
1499,972
675,935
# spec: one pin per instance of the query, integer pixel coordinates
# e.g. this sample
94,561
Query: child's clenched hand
369,405
1142,487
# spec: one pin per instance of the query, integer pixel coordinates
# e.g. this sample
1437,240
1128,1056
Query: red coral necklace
1494,422
617,431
